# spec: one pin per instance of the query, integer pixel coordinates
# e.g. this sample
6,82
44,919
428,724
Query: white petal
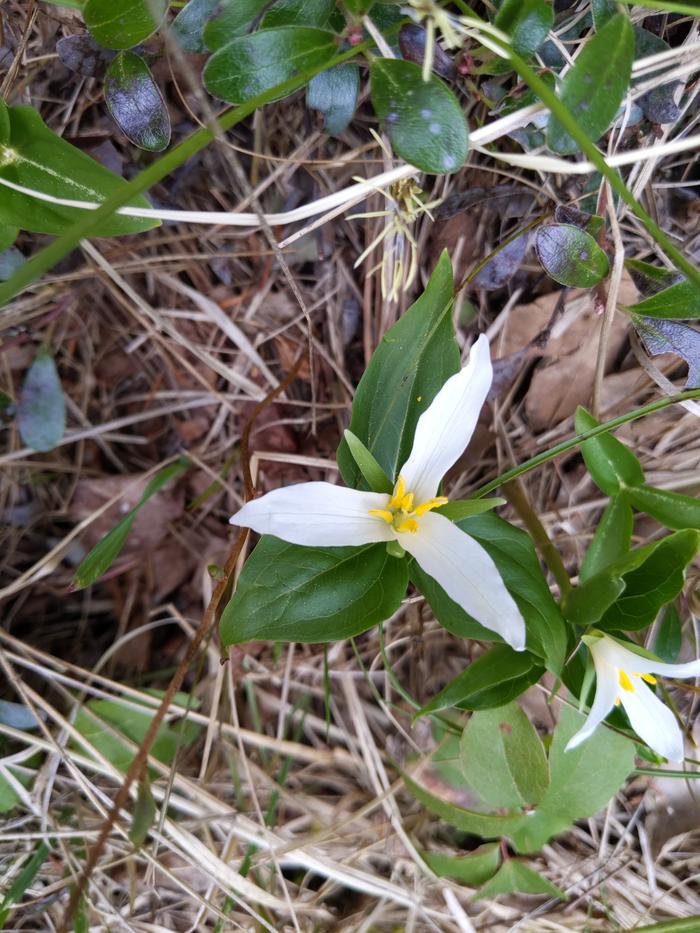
606,688
446,426
317,515
653,721
634,663
467,574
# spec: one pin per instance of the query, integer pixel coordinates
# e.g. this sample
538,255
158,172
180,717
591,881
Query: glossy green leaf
423,119
41,409
372,473
8,235
495,678
513,553
472,869
298,13
515,877
234,19
135,102
22,881
611,539
416,356
292,593
582,780
570,256
503,758
107,549
144,814
603,10
668,640
663,336
120,24
39,159
334,92
188,25
654,584
612,466
458,509
594,87
249,65
486,825
672,509
527,22
588,602
681,300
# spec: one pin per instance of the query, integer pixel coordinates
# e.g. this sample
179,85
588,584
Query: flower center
401,512
627,683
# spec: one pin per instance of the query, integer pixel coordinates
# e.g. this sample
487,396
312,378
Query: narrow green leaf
503,758
570,256
18,888
602,10
515,877
471,869
423,119
144,814
416,356
41,409
650,279
312,595
121,24
37,158
672,509
251,64
594,87
135,102
4,122
334,92
679,301
374,476
612,466
458,509
669,635
233,20
612,537
495,678
527,22
106,551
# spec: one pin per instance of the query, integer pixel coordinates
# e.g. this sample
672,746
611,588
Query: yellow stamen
407,502
617,701
430,504
383,513
399,493
410,524
625,681
649,678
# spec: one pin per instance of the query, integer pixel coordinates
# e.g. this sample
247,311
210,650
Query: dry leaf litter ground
165,342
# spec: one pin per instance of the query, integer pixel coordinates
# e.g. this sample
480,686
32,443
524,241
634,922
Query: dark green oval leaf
416,356
292,593
298,13
527,22
612,466
423,119
471,869
136,104
120,24
334,92
41,409
249,65
593,89
570,256
39,159
188,25
672,509
233,20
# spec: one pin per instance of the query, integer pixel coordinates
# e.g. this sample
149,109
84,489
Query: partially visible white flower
622,677
324,515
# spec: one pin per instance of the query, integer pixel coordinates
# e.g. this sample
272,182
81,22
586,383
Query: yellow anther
430,504
625,681
409,525
650,679
399,493
383,513
407,502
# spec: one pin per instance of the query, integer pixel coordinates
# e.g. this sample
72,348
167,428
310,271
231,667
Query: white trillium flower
324,515
622,677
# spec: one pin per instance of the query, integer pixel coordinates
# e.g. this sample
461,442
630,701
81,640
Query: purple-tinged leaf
136,104
662,336
570,256
503,264
412,45
41,409
80,53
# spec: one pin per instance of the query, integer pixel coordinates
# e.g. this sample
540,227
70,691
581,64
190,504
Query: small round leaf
423,119
136,104
41,409
570,256
120,24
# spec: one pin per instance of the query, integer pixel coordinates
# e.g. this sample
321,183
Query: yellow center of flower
626,681
401,511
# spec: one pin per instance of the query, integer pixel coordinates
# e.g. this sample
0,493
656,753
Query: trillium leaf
334,92
669,636
37,158
672,509
423,119
291,593
121,24
594,87
251,64
374,476
457,509
503,758
135,102
527,22
496,677
416,356
514,555
612,537
515,877
471,869
188,25
570,256
41,409
233,20
612,466
679,301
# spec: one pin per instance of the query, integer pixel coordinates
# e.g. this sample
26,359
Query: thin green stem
44,260
574,442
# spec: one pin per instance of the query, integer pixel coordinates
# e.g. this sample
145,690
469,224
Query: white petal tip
575,741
